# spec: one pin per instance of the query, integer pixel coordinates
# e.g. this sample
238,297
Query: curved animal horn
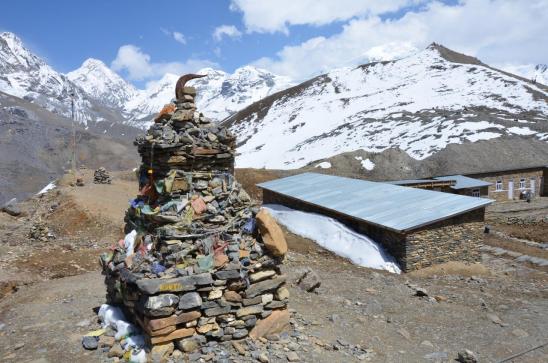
182,81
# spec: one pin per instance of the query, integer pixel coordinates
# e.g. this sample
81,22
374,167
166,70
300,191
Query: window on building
475,193
522,183
498,185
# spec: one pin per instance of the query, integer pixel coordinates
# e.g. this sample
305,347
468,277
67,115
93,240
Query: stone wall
515,176
453,239
544,189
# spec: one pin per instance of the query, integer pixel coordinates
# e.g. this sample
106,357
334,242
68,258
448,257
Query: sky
142,40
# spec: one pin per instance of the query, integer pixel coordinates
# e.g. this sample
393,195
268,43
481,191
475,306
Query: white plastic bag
129,242
109,315
134,341
124,329
138,355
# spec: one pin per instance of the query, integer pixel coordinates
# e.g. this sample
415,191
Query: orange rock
157,324
220,260
177,334
275,323
232,296
272,234
164,113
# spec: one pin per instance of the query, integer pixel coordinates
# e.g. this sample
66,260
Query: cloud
138,66
178,37
277,16
229,31
471,27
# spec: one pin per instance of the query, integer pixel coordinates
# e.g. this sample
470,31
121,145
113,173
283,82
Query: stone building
465,185
510,184
418,227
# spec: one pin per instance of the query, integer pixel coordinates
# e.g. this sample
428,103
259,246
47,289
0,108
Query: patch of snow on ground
367,164
334,236
323,165
521,130
47,188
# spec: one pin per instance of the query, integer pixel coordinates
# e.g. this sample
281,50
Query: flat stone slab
261,287
177,284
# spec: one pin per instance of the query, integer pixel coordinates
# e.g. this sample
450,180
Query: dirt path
49,318
105,201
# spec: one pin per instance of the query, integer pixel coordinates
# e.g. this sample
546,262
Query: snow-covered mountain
541,74
103,84
419,104
25,75
101,94
219,95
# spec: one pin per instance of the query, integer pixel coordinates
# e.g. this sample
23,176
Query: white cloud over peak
229,31
138,66
277,16
494,30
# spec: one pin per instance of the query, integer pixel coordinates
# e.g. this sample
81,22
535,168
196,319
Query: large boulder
275,323
271,233
11,208
308,280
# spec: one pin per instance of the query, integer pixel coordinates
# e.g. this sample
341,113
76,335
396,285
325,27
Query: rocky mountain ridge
36,146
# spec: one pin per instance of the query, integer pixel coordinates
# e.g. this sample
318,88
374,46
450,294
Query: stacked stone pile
101,176
39,231
200,261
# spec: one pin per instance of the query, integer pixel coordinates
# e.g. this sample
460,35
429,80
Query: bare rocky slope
35,146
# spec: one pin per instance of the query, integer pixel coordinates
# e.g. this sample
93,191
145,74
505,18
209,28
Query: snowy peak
25,75
219,95
101,94
14,56
102,84
452,56
420,104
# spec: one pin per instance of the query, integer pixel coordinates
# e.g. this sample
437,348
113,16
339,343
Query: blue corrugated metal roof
391,206
463,182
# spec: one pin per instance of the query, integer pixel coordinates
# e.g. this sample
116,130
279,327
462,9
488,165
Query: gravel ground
495,309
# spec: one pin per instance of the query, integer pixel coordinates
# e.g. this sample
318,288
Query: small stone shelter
418,227
465,185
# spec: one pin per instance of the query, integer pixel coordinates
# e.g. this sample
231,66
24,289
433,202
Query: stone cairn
101,176
200,261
